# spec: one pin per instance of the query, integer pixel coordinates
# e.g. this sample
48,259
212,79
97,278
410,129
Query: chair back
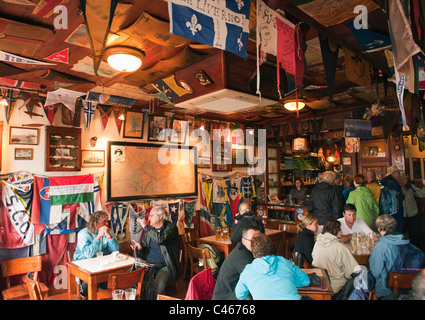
126,280
33,287
398,280
19,266
195,256
165,297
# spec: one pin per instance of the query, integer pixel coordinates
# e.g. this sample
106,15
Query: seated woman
331,254
385,252
297,194
269,277
304,242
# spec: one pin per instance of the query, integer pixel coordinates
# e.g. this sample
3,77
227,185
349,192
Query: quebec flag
223,24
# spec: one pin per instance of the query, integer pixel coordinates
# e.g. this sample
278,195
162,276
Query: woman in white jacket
330,253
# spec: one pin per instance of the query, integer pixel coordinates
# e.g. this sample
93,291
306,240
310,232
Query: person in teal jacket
96,237
362,197
269,277
385,252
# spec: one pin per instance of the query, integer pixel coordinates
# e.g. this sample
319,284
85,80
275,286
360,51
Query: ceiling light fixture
3,101
292,105
124,59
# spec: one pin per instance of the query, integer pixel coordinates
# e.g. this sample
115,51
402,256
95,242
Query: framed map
146,171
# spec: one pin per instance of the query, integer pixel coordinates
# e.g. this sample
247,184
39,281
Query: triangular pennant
118,121
98,15
67,97
60,56
330,58
89,110
50,111
105,112
316,124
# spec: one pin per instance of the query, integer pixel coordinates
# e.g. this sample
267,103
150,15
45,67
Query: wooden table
226,246
322,292
94,271
362,256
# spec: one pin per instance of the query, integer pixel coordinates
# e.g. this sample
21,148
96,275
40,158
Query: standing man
233,266
391,181
325,200
160,246
350,224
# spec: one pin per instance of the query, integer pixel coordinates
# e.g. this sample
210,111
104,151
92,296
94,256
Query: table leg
92,288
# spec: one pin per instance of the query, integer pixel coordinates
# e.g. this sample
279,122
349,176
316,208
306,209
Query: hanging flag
41,202
205,219
118,122
19,84
9,57
236,195
221,24
119,213
11,97
65,96
50,111
189,211
105,112
171,88
45,7
110,99
89,108
16,229
330,59
60,56
173,209
369,40
400,84
98,15
356,69
316,124
73,189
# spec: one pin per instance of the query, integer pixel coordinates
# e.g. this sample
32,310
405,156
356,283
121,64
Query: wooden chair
290,230
397,280
165,297
123,280
20,266
195,254
35,293
188,237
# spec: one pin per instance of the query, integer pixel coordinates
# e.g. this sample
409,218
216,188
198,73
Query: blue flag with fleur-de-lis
223,24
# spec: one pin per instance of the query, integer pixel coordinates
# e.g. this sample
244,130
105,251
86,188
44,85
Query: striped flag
89,108
72,189
223,24
205,219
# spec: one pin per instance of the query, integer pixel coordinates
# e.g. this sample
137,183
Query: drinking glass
225,232
217,233
99,254
130,294
117,294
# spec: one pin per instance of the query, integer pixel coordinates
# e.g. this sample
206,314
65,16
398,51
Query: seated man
233,266
270,277
95,238
160,246
351,224
244,218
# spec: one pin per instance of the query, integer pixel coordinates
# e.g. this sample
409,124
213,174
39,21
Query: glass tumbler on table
117,294
130,294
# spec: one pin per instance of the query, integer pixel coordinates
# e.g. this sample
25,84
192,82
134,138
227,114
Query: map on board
136,172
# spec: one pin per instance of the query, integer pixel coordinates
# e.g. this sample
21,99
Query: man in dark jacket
243,219
390,181
233,266
160,246
325,200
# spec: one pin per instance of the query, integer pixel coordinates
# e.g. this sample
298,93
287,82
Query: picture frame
92,158
180,129
156,124
133,125
23,135
24,153
346,161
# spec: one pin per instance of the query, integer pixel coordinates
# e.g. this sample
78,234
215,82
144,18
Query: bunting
330,57
65,96
98,15
221,24
119,212
60,56
171,88
50,111
189,211
205,219
105,111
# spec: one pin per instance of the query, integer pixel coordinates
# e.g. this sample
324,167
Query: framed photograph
156,125
24,153
133,125
22,135
93,158
346,161
417,168
180,129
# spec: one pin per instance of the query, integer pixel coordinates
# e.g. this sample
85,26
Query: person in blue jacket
269,277
385,252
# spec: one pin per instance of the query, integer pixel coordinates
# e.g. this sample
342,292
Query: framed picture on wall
417,168
22,135
180,130
156,127
93,158
133,125
24,153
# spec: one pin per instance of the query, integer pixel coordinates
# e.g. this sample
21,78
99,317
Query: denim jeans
162,277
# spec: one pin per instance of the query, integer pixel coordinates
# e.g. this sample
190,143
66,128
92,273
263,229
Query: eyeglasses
247,239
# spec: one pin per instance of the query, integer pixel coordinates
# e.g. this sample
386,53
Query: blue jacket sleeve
241,290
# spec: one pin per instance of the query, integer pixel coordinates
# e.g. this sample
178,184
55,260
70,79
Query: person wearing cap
411,217
390,181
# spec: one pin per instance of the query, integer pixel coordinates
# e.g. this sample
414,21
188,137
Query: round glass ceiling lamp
124,59
292,105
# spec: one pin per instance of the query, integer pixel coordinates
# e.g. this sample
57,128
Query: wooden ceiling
182,58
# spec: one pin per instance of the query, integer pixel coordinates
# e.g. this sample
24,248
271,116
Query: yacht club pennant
89,110
105,112
50,111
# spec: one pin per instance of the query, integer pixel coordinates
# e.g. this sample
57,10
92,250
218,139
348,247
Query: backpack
216,258
388,201
409,259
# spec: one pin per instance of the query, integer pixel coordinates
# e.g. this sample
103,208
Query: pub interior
229,102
